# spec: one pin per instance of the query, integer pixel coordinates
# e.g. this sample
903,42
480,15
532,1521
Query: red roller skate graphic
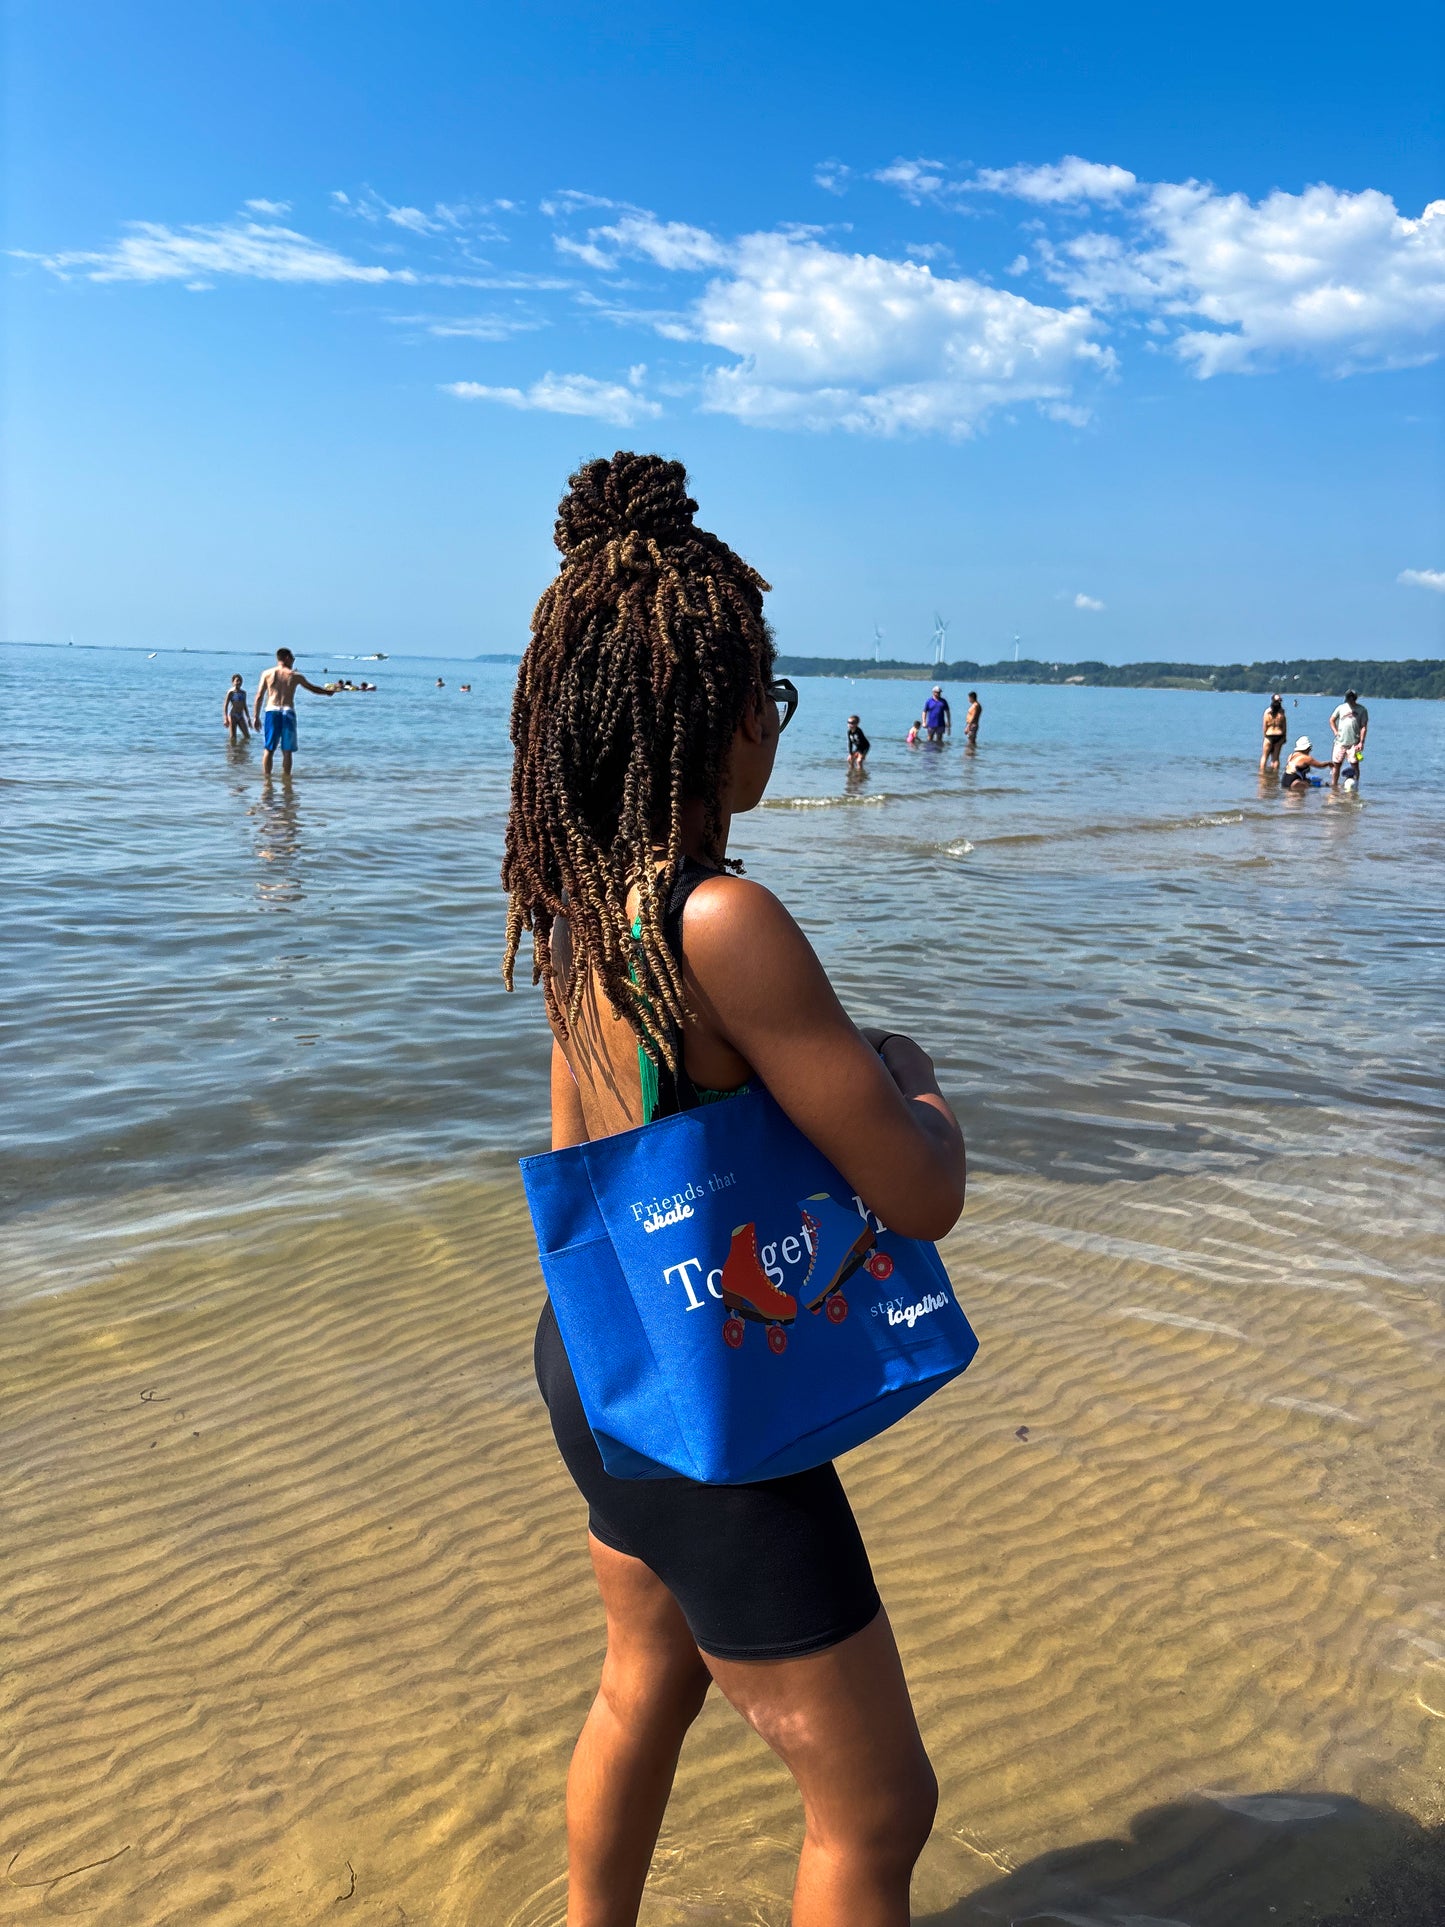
839,1242
748,1292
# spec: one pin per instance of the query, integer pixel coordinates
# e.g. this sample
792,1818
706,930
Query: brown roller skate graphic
748,1292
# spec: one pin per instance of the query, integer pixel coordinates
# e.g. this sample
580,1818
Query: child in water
858,744
912,737
233,712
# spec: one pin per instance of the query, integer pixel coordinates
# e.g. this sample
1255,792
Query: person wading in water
1275,730
646,717
277,690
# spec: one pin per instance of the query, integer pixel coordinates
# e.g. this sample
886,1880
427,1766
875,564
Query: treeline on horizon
1305,676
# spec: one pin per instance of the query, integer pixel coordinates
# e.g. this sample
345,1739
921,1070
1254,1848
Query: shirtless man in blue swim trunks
277,689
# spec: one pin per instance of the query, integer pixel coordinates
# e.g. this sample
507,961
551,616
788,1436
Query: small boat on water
378,657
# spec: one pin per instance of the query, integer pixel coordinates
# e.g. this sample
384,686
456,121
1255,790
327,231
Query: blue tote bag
731,1310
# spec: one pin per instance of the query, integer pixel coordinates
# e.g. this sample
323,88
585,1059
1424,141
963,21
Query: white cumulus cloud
825,339
1082,601
916,181
607,401
1070,179
269,207
151,251
1423,579
1338,277
822,338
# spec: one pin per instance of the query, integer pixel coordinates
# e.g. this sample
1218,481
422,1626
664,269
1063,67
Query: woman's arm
754,979
568,1126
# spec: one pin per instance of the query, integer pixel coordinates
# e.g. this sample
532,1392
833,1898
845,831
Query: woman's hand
905,1061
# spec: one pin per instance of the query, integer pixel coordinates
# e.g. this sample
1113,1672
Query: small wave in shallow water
825,802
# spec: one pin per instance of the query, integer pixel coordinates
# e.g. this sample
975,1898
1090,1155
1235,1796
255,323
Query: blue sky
1116,330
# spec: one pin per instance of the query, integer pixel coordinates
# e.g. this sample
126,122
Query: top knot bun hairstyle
631,499
645,649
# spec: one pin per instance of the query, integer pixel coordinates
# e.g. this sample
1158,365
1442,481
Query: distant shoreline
1410,678
1417,677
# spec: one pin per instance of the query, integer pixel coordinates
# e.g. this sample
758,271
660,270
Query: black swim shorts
775,1570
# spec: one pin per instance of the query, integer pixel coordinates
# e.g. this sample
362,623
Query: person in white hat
1298,764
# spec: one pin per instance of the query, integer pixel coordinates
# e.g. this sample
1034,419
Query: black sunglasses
784,692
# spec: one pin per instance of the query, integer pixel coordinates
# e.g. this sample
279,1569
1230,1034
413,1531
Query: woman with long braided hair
646,717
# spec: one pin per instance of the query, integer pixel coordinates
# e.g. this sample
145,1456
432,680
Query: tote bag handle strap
666,1092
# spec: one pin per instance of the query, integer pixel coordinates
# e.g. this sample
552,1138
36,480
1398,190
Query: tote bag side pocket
656,1442
606,1341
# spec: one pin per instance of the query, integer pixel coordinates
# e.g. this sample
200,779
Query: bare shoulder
727,912
743,948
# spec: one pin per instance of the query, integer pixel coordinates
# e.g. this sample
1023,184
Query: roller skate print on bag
748,1292
839,1243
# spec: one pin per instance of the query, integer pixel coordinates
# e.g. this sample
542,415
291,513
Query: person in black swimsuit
1276,727
646,716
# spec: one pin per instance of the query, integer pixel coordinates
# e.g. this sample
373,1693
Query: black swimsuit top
665,1092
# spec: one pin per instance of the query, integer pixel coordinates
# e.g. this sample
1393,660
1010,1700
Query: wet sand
301,1627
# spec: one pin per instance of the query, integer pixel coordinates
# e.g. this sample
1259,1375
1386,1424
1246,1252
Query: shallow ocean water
1125,953
296,1595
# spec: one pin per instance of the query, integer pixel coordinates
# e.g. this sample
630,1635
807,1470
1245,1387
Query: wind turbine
940,639
877,642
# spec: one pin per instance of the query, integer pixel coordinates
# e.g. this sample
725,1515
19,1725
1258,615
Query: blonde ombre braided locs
645,648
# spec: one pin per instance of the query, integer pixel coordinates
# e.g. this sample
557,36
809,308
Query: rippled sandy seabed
296,1616
299,1598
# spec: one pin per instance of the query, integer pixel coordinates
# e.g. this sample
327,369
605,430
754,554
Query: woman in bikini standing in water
1276,726
646,717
